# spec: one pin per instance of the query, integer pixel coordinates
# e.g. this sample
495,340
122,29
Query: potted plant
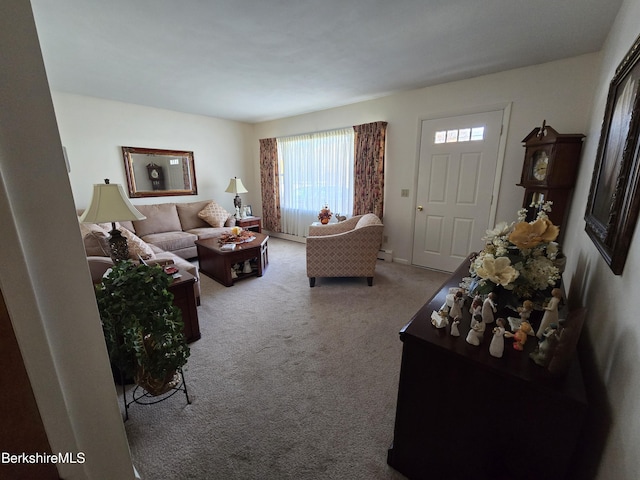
143,329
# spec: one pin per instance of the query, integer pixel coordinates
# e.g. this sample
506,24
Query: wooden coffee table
217,263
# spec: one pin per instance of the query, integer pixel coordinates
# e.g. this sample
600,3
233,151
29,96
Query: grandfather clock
550,169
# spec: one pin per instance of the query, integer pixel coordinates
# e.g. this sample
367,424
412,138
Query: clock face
540,165
155,174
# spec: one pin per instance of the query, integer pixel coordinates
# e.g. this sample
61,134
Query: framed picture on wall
614,200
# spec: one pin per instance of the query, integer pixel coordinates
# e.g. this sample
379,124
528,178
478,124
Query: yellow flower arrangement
521,260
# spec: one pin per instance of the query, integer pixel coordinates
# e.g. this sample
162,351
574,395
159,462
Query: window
460,135
315,169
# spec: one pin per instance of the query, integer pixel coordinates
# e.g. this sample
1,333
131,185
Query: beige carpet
287,382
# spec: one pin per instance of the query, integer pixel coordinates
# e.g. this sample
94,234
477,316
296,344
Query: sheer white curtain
315,169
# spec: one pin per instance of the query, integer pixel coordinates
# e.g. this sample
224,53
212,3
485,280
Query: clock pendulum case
156,176
550,169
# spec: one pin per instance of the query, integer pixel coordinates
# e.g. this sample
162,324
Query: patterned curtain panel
369,168
269,184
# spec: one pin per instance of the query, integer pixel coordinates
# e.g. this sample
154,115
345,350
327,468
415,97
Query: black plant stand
142,397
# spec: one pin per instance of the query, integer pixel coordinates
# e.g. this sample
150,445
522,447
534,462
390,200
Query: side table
250,223
185,299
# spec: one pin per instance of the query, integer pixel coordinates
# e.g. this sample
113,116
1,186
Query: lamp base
237,202
118,245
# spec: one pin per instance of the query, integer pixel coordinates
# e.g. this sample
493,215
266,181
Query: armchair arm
333,228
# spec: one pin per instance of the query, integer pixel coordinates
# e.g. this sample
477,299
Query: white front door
457,170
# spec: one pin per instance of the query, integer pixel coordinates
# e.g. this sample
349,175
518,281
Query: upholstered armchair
344,249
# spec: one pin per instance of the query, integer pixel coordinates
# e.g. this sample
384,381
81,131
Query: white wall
612,323
43,271
93,131
560,92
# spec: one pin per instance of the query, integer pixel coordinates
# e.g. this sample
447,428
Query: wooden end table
250,223
217,263
184,298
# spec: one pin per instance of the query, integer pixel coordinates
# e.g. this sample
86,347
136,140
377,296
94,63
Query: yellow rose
529,235
236,230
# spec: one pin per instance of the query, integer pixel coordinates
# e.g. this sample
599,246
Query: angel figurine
455,331
496,348
489,308
550,312
476,333
456,307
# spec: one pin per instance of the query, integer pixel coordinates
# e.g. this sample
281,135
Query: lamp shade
109,204
236,186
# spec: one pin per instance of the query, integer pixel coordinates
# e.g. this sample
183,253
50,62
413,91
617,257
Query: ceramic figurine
520,337
496,348
247,267
456,308
455,332
237,215
476,333
439,319
477,299
476,306
525,312
550,311
543,353
489,308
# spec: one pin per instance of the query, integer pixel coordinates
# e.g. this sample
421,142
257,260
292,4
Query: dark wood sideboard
462,413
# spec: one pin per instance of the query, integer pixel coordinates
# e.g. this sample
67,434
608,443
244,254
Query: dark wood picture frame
614,200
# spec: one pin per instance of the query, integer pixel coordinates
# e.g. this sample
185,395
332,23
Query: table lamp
236,186
109,204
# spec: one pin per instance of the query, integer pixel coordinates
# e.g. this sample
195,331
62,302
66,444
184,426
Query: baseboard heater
386,255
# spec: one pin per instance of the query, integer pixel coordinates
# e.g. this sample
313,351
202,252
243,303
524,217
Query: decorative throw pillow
94,238
214,215
136,245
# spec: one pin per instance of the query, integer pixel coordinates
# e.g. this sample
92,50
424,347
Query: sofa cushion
137,247
214,214
162,217
188,213
171,241
96,241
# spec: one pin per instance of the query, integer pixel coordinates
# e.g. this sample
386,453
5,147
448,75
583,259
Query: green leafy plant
142,328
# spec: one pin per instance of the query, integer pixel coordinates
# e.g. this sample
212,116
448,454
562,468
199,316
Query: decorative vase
325,215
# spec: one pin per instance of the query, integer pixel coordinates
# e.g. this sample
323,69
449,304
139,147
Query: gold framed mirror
153,172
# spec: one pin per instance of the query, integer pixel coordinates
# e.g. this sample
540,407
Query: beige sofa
344,249
174,227
166,236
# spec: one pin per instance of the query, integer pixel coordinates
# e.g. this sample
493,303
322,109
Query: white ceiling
255,60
